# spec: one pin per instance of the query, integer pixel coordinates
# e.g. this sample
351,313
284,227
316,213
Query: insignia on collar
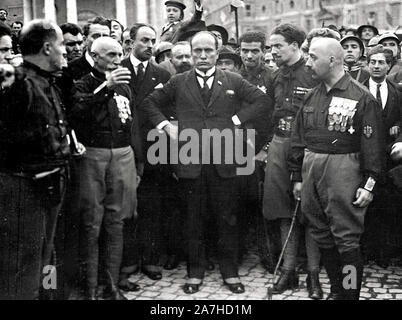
368,131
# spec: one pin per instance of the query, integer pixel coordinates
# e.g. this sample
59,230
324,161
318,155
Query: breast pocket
308,117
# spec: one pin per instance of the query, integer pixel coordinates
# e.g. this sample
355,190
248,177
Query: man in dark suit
145,77
207,99
380,212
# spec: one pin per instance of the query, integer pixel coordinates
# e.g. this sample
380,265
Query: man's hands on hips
363,198
396,151
117,77
172,130
297,190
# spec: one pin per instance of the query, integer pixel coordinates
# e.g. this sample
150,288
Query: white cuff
161,125
236,120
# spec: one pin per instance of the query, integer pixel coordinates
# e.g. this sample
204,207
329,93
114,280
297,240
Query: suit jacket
153,77
392,113
229,92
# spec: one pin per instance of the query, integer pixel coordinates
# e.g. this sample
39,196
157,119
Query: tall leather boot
332,263
288,280
313,285
353,258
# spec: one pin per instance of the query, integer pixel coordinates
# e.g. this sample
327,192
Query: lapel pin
220,83
153,79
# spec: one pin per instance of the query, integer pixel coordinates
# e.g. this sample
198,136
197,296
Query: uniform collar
341,85
38,70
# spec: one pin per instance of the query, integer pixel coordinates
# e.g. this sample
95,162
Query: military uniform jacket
105,119
291,84
346,119
228,92
34,129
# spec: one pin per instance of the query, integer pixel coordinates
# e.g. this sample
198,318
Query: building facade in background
261,15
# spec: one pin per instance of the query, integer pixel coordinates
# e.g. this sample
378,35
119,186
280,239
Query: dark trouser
28,219
151,192
107,195
329,187
210,191
290,255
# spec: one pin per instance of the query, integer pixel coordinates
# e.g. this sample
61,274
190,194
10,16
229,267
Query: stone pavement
378,284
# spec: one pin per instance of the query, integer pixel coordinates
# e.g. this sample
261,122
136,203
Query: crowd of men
82,109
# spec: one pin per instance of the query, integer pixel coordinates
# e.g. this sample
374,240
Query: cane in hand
271,285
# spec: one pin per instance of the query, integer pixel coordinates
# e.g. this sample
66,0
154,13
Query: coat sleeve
297,146
258,104
154,105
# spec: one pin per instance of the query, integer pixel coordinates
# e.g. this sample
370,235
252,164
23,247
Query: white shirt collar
208,73
373,83
89,59
135,62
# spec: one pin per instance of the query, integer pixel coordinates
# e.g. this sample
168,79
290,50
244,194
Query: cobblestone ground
378,284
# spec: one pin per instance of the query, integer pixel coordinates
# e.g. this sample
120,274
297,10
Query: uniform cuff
368,184
236,121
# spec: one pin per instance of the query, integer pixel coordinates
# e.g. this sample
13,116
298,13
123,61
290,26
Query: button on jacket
34,133
104,119
291,84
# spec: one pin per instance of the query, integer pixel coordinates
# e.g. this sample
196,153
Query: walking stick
271,285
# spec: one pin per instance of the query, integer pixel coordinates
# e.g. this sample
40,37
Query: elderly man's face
252,54
392,45
352,51
378,66
57,52
318,61
204,51
181,58
74,45
6,46
109,57
144,43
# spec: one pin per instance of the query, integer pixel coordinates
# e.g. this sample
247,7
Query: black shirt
320,129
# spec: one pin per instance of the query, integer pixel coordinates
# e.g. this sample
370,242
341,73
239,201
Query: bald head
328,47
103,44
204,50
107,54
325,58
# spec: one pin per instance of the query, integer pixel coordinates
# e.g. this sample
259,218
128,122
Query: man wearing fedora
220,33
391,41
366,32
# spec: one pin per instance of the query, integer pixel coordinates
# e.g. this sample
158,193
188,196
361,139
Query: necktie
140,74
205,89
379,94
